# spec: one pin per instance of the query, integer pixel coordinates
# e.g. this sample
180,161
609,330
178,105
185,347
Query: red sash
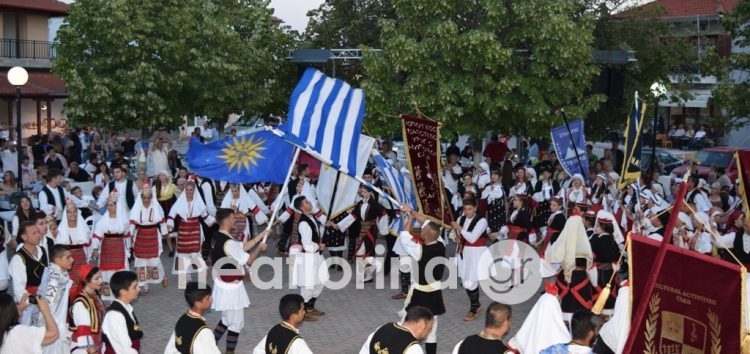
564,289
480,242
189,236
146,242
514,231
547,239
595,207
136,344
32,289
112,255
365,234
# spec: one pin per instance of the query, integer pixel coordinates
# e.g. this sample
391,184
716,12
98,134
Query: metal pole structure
18,137
653,163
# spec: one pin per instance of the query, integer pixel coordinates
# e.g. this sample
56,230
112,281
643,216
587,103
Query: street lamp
18,76
658,90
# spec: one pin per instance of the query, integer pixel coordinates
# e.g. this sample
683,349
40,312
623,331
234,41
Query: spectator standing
77,174
495,150
159,155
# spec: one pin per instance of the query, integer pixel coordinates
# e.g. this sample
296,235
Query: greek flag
325,116
400,185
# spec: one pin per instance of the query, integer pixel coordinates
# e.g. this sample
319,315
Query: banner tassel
602,300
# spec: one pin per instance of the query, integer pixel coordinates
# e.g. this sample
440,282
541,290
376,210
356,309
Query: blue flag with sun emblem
256,157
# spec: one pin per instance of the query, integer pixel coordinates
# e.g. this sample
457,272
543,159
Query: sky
292,12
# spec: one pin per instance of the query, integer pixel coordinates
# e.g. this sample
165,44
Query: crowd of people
65,259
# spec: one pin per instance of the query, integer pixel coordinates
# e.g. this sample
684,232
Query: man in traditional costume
472,240
614,333
125,188
191,334
584,329
284,337
373,221
490,339
110,242
309,271
187,214
230,296
57,292
426,291
401,337
27,267
148,228
52,196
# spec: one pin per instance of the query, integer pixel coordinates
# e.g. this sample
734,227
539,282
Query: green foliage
733,91
482,65
144,64
658,53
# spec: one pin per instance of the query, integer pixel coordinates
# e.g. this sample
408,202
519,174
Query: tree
658,53
144,65
483,64
733,91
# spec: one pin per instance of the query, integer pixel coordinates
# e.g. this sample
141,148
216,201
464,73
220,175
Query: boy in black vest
489,340
402,337
27,266
121,331
284,337
52,196
191,333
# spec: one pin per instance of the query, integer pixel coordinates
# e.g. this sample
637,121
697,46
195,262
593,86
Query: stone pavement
351,314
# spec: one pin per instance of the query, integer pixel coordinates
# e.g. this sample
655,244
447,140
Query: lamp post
658,90
18,76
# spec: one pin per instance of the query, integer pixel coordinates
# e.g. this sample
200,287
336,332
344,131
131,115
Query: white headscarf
542,328
121,225
182,208
617,233
76,236
572,243
135,213
245,204
615,331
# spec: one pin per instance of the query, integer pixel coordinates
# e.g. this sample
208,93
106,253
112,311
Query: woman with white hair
147,228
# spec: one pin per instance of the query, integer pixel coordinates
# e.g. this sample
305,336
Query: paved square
351,314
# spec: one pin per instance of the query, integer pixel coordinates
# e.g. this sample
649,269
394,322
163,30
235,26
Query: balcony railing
26,49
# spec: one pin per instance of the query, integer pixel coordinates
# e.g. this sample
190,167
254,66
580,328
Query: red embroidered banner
696,306
422,149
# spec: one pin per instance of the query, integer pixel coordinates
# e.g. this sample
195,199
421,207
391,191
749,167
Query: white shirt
46,205
17,270
10,160
210,205
23,339
299,346
115,328
204,343
121,188
414,349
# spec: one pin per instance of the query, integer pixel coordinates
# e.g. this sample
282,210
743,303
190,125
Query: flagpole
284,187
640,313
329,162
584,173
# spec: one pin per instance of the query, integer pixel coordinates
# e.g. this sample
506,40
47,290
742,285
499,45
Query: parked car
722,157
666,159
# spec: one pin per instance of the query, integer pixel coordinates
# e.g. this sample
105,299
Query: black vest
51,198
313,226
134,328
280,339
476,344
185,332
34,267
737,248
472,224
692,194
429,252
217,252
129,197
391,338
213,191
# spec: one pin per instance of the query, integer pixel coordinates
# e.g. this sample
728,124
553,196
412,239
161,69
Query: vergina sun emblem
243,152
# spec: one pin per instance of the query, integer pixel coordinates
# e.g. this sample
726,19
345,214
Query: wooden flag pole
648,291
284,187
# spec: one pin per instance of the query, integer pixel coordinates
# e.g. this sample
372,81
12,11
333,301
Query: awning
41,84
699,100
